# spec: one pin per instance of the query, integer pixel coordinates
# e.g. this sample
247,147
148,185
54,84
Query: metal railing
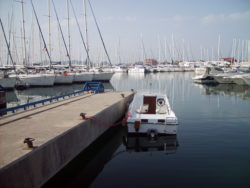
96,87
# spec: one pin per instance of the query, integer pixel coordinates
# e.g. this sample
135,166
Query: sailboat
100,74
7,81
31,79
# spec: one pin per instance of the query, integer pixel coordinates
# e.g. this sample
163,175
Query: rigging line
7,45
85,47
40,30
67,53
99,33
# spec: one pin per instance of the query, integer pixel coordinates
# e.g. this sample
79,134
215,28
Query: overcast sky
163,25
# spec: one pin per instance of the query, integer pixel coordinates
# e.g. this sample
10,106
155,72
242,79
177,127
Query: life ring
160,102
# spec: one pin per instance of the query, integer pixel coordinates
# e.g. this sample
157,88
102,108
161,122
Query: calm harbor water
212,147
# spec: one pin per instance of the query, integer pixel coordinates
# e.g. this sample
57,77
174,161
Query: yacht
208,76
151,114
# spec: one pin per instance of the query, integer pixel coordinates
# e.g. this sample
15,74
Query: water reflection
84,169
226,89
135,143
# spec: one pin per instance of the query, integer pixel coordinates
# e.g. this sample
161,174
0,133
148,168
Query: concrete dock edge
39,165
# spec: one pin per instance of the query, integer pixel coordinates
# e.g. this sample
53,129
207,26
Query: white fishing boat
152,115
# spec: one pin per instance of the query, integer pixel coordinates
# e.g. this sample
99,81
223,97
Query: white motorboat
151,114
247,80
208,76
224,78
238,79
204,79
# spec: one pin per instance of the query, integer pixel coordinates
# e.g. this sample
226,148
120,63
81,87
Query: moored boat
151,114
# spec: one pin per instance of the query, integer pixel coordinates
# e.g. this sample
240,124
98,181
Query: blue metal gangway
96,87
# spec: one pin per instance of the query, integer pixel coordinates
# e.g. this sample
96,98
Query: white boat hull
83,77
247,80
102,76
8,83
33,80
151,113
64,79
162,129
136,70
223,80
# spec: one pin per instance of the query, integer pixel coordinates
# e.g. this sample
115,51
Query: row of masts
48,47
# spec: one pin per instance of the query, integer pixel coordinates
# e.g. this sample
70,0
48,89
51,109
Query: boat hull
102,76
37,80
64,79
8,83
83,77
147,129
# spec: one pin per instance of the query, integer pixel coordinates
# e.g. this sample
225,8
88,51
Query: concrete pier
60,135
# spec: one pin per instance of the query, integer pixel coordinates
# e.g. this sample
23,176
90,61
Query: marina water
212,147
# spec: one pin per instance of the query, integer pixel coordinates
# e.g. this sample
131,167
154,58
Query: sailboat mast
49,27
67,3
86,30
41,34
7,44
219,47
23,31
159,48
183,50
60,29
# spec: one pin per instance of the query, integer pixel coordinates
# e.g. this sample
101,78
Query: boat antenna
40,30
67,52
84,44
100,33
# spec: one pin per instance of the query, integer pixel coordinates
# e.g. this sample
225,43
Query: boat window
161,120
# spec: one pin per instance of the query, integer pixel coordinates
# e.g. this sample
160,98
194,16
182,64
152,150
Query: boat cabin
153,105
